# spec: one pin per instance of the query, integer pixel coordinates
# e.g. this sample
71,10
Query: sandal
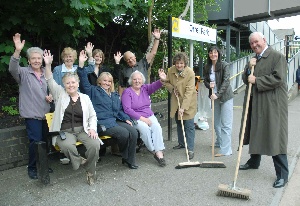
90,178
161,161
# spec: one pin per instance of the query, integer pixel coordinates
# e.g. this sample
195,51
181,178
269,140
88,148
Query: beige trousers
68,147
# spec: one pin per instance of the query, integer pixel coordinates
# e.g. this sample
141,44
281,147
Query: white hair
34,50
256,33
136,72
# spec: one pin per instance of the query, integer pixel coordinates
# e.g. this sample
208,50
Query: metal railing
293,65
264,28
237,67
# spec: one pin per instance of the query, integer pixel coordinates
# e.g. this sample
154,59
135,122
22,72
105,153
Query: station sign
189,30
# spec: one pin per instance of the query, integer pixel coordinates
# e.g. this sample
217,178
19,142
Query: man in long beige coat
267,121
181,82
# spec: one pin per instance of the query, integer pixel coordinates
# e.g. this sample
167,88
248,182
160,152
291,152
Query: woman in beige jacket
75,116
180,82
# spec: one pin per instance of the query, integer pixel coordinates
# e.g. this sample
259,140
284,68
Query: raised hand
118,56
162,74
156,33
18,43
48,58
89,49
82,57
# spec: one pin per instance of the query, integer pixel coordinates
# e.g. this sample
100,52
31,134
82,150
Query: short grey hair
70,75
136,72
256,33
34,50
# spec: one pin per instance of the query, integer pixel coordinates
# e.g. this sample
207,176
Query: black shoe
178,147
50,170
279,183
129,165
32,173
161,161
247,167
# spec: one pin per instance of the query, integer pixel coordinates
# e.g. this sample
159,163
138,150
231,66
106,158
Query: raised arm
14,67
153,87
150,56
18,45
54,88
84,84
89,51
48,59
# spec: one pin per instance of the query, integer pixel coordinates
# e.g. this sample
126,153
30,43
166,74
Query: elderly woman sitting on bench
75,116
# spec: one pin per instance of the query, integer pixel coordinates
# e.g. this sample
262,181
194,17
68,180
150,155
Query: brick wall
14,143
13,147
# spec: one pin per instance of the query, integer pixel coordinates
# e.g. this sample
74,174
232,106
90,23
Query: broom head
212,164
229,191
187,165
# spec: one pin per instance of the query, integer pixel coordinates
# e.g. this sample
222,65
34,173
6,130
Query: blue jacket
58,74
108,108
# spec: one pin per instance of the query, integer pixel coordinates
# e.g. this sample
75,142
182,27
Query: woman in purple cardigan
136,103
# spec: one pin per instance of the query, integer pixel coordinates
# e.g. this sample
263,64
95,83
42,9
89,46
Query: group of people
87,105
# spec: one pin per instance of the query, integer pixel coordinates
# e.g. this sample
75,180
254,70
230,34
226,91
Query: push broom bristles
235,192
187,165
212,164
232,190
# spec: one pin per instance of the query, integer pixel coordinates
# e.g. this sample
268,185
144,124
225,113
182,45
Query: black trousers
280,164
126,137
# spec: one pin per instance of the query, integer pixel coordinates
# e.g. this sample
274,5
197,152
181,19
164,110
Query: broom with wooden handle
212,163
231,190
188,163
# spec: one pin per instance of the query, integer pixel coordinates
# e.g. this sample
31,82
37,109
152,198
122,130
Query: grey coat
267,124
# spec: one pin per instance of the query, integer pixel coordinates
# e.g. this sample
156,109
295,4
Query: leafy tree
112,25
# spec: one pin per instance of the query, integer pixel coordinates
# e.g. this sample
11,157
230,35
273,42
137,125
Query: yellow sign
175,24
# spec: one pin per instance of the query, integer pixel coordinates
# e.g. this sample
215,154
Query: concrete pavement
153,185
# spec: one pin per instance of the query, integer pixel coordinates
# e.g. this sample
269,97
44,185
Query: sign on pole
197,32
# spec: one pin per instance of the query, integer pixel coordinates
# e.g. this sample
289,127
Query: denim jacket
58,73
108,108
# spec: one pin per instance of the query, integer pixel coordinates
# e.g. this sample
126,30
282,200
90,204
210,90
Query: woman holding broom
180,82
216,79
